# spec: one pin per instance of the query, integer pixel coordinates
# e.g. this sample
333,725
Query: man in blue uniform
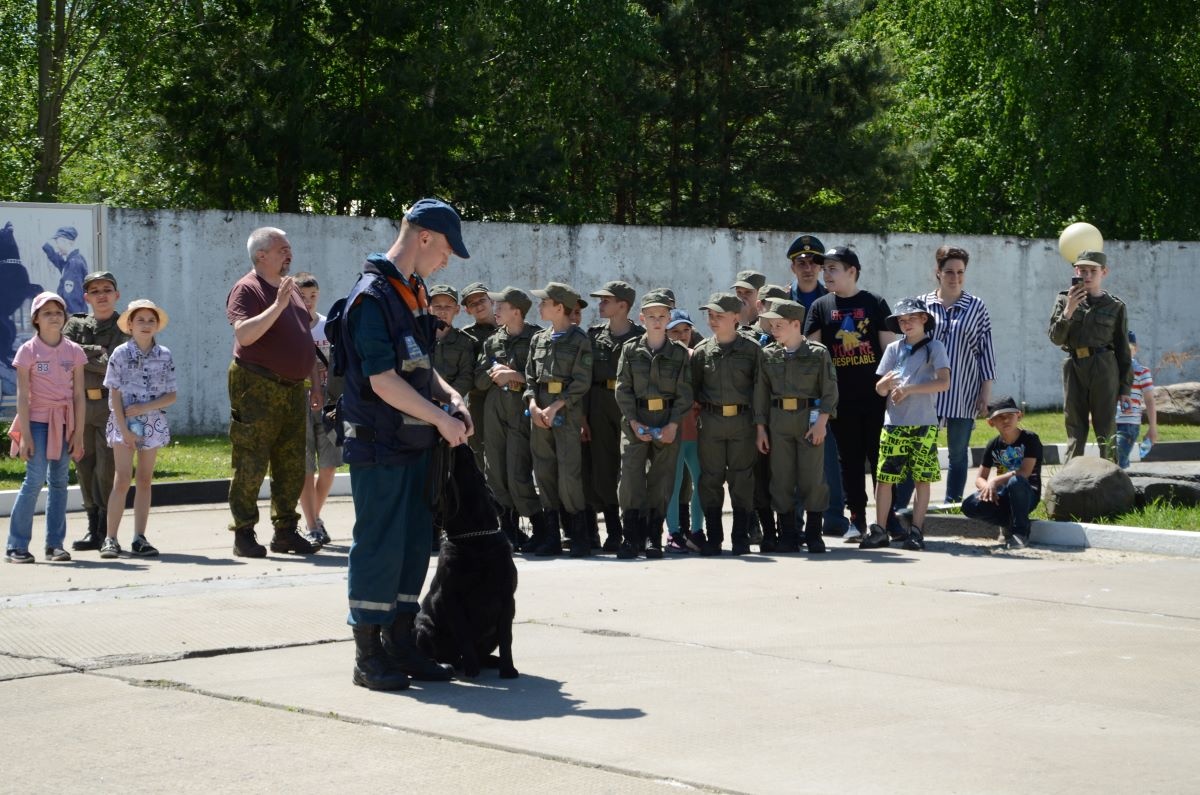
384,341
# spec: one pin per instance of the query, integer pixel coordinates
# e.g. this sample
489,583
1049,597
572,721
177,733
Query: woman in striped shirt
964,327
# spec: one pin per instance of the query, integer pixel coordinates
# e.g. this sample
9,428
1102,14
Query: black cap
806,244
844,255
1002,405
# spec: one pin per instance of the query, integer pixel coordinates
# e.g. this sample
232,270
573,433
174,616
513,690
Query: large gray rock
1088,488
1175,492
1178,404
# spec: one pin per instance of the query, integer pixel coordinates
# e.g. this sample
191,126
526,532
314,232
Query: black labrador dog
468,612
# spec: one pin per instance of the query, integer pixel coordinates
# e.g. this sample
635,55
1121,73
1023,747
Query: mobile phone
1076,280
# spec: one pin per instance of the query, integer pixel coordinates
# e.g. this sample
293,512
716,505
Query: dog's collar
472,535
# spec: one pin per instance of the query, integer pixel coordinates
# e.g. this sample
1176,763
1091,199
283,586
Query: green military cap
663,293
768,291
514,296
656,298
1085,258
783,309
750,280
474,288
564,294
443,289
723,302
99,276
622,291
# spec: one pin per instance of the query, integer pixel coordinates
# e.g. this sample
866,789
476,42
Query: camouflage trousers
95,471
266,431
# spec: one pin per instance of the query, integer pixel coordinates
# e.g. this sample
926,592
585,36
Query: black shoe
915,540
245,544
404,654
291,541
578,531
551,544
710,549
1016,541
876,538
812,533
94,536
652,534
372,669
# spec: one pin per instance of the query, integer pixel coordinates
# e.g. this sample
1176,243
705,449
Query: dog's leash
439,477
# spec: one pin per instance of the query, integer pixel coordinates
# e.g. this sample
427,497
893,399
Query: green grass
1048,425
187,458
1159,514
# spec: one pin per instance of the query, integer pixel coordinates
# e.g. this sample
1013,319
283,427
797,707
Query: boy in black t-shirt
852,324
1010,477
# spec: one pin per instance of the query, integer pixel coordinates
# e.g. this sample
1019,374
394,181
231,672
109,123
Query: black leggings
856,428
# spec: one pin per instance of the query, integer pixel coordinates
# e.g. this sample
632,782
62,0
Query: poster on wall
42,247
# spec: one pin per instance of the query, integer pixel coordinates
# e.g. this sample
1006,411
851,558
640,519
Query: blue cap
437,216
679,316
67,232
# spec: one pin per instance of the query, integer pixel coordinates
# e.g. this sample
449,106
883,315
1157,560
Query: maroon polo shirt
286,348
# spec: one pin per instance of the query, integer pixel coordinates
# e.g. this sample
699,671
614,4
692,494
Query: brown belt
265,373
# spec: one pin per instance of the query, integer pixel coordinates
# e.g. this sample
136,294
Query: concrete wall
187,261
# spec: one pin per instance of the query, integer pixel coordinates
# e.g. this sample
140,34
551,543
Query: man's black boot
372,669
245,544
551,536
94,536
631,540
789,536
812,532
291,541
538,523
741,531
613,529
652,526
715,533
405,656
770,539
579,533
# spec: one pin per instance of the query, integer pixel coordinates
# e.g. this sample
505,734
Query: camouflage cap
768,291
474,288
515,297
723,302
622,291
783,309
98,276
562,293
1092,258
443,289
750,280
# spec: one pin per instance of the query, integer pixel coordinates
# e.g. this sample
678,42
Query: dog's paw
509,673
470,668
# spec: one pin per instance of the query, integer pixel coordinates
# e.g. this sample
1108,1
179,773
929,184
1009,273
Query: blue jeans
1016,499
688,455
1127,439
38,471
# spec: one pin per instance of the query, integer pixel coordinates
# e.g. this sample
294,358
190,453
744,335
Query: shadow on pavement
524,698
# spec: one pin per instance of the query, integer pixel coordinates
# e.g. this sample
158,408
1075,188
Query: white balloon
1077,238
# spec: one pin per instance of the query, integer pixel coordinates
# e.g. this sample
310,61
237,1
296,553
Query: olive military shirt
643,374
511,350
807,374
725,374
454,360
606,350
1096,323
562,362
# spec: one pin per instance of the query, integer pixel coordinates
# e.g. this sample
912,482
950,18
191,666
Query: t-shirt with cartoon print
1004,457
849,328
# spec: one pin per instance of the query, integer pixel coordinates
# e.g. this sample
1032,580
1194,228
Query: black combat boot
406,657
372,669
652,527
741,531
714,533
812,532
94,536
612,526
789,536
538,523
593,530
915,540
770,541
579,532
551,537
632,542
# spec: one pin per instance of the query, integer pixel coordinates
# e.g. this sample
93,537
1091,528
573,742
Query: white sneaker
852,534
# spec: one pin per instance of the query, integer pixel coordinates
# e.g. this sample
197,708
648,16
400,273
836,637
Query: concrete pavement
965,668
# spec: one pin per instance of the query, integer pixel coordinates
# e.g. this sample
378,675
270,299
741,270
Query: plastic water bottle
136,427
1144,448
814,413
558,422
655,433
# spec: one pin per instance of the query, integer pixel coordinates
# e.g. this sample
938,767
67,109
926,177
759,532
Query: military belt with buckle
554,387
610,383
726,409
786,403
1085,352
653,404
97,394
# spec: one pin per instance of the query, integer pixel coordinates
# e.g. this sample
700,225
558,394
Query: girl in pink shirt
48,429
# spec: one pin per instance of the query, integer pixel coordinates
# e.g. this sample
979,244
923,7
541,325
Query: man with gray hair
273,357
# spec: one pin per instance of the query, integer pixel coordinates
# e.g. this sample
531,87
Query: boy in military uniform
654,392
557,378
510,463
479,306
746,287
794,396
724,371
454,355
98,335
604,417
763,531
1092,327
